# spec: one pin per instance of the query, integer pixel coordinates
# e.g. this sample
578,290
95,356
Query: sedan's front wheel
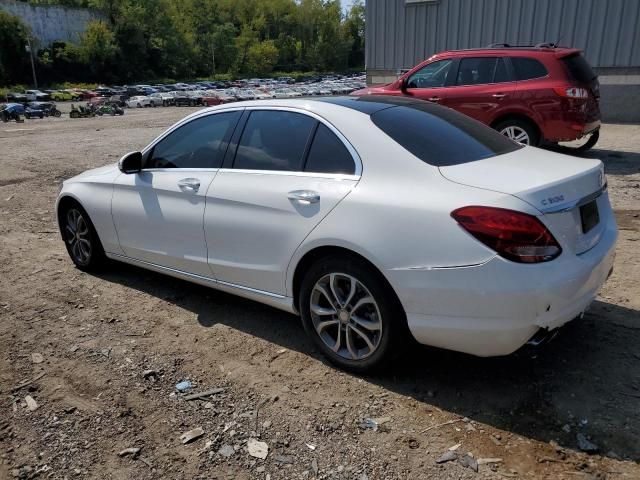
81,238
351,313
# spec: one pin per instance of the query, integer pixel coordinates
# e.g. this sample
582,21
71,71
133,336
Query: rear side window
439,136
579,68
274,140
481,70
201,143
328,154
528,68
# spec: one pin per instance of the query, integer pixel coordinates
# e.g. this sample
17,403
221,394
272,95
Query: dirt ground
104,353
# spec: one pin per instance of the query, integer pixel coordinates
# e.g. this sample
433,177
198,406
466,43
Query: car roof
366,104
512,50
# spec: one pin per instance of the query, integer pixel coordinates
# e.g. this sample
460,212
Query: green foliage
261,58
14,59
151,39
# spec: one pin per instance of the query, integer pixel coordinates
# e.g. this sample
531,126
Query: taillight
516,236
571,92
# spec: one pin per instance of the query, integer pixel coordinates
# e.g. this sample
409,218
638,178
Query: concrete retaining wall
52,22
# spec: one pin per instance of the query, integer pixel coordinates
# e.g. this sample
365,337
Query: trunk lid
555,184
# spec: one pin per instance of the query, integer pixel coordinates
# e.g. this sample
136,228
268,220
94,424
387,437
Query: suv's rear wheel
350,313
518,130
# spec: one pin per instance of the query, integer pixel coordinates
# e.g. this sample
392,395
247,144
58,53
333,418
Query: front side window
528,68
481,70
274,140
432,75
328,154
201,143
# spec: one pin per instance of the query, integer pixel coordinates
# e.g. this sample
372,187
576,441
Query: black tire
57,114
89,258
27,116
389,314
516,123
74,114
139,106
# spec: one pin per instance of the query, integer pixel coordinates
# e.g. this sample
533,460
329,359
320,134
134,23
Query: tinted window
328,154
476,71
502,74
201,143
274,140
579,68
440,136
528,68
431,75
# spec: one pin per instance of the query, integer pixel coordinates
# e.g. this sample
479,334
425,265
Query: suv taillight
516,236
571,92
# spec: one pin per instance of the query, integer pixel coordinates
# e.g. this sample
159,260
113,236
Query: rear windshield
579,68
439,136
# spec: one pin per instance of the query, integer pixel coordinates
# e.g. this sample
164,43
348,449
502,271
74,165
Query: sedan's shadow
587,380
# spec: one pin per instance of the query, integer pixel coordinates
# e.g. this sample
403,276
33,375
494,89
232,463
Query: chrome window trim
290,173
352,151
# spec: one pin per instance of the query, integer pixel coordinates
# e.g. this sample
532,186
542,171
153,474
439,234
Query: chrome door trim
335,176
576,203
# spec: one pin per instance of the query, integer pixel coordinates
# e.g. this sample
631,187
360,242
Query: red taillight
571,92
514,235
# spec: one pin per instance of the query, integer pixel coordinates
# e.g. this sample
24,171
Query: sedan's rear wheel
350,312
519,131
81,239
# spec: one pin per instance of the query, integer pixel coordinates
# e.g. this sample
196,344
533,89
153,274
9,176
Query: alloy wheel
346,316
517,134
78,236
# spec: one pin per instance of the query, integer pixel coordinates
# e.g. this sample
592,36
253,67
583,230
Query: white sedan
139,102
376,219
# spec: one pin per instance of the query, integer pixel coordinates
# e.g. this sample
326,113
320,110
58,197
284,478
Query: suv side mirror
403,84
131,163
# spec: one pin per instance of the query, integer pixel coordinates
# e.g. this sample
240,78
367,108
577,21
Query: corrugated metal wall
401,34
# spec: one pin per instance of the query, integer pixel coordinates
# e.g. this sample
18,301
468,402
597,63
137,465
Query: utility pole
33,67
213,58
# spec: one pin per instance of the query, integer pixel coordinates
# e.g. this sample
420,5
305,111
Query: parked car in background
492,244
185,99
36,95
11,111
535,94
211,98
138,102
16,97
162,99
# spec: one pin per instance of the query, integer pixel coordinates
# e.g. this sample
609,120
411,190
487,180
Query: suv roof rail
537,45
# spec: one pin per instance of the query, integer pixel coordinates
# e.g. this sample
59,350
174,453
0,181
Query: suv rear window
439,136
579,68
528,68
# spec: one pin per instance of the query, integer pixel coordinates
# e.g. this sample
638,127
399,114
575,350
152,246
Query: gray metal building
402,33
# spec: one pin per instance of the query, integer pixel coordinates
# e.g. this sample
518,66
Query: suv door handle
306,197
434,99
499,95
189,185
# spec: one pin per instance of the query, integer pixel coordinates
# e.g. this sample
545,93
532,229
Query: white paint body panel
242,234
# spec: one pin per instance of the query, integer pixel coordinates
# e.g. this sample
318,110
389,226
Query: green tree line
182,39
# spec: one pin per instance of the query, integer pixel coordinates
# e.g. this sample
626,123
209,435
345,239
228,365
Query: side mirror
403,84
131,163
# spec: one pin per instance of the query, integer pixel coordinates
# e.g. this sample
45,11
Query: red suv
531,94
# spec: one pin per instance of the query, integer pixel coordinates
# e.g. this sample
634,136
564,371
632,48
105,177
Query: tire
57,114
80,238
515,128
381,321
139,106
74,114
27,116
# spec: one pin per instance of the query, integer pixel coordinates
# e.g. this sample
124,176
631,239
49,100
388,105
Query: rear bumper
494,308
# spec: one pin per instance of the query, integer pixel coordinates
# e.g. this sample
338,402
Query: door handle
499,95
434,99
189,185
304,196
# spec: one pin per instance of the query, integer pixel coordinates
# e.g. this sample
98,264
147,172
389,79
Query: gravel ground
104,353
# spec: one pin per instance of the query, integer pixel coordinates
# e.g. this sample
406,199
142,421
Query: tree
261,58
14,59
98,49
354,30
